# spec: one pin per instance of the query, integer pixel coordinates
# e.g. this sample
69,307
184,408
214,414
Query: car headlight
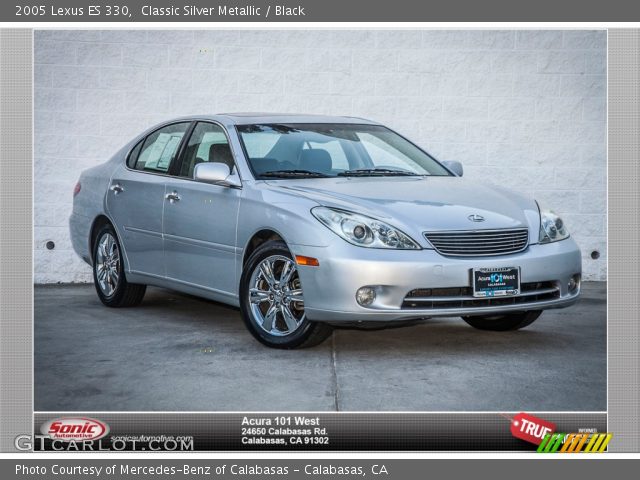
552,227
362,230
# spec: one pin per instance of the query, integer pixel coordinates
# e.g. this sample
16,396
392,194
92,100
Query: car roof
248,118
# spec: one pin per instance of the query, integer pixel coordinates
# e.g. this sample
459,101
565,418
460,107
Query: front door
200,219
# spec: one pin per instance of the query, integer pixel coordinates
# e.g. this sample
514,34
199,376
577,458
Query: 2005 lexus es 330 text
309,221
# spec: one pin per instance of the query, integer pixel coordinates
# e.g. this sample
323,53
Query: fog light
365,296
574,282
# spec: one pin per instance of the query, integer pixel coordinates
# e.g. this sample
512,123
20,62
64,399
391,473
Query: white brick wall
524,108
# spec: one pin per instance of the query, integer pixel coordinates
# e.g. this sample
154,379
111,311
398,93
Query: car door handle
116,188
172,197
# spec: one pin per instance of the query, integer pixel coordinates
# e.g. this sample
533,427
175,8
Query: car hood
419,204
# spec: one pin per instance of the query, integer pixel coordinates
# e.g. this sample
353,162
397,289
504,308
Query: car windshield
332,150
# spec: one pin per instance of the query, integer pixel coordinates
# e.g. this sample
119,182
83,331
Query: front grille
478,243
462,297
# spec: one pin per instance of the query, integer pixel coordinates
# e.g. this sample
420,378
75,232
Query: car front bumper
330,289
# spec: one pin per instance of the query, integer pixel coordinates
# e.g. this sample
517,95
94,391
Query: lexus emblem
476,218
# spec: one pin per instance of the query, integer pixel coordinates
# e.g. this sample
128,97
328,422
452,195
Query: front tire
503,323
108,272
272,303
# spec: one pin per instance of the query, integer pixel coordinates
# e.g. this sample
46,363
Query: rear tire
108,272
503,323
272,303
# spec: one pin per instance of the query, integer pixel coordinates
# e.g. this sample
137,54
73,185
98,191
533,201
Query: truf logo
530,428
74,429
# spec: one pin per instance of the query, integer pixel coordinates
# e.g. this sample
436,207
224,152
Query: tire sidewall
293,340
115,298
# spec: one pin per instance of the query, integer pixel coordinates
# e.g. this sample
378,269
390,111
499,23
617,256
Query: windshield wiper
380,172
293,173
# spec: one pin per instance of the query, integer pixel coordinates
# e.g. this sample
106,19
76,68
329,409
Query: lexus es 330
305,222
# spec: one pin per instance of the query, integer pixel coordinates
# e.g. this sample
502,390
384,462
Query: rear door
135,198
200,219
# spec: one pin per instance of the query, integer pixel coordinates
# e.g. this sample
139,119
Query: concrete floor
180,353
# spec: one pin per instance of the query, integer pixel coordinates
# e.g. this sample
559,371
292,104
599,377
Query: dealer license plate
496,282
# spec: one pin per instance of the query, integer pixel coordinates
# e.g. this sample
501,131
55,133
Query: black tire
124,294
307,334
503,323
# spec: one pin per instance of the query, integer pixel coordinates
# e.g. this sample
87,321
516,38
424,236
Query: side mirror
215,172
454,166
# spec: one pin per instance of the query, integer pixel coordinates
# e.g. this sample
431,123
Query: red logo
73,429
531,429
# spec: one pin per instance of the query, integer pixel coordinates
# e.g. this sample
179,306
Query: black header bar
318,11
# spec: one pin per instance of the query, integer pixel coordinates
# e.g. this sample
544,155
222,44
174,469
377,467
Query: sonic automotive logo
74,429
88,434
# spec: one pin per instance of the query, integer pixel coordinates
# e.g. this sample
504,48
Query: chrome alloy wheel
107,264
275,296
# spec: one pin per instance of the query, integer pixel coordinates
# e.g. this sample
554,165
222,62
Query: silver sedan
305,222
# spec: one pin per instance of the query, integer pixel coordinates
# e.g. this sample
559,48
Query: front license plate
496,282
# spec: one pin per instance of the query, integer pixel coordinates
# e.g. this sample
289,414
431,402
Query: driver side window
208,143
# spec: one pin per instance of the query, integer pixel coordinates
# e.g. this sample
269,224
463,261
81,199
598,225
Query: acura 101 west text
305,222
